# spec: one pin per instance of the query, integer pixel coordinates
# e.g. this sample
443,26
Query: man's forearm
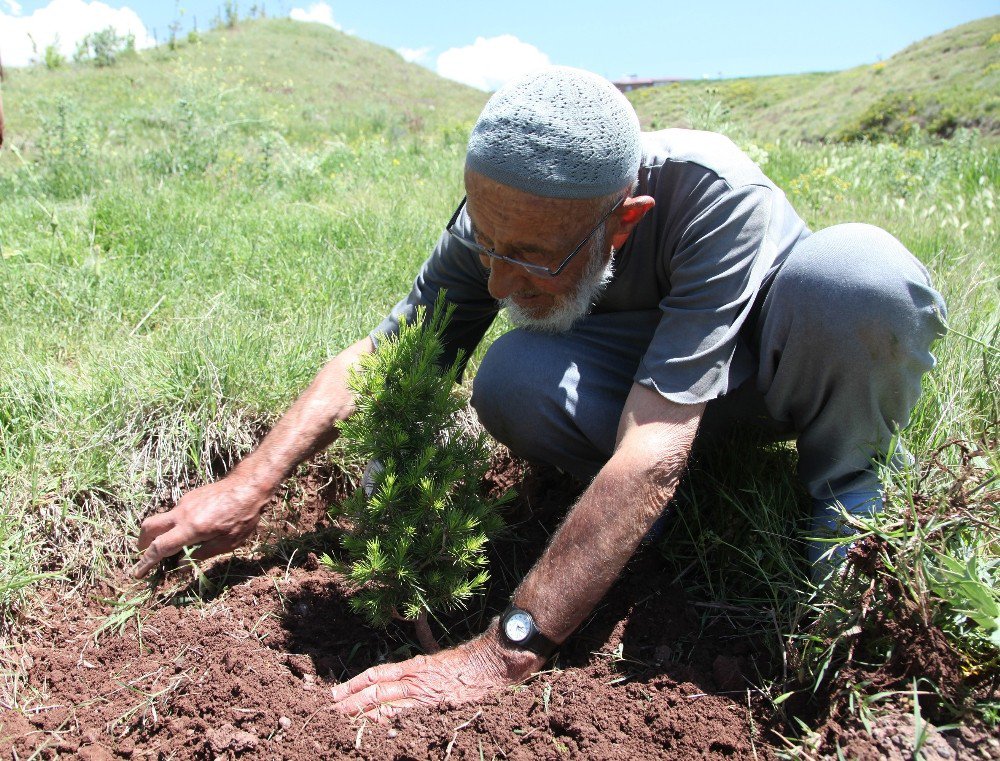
592,546
607,524
308,426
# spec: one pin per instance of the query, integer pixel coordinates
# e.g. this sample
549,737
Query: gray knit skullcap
557,132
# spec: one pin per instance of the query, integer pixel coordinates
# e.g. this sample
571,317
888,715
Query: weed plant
103,48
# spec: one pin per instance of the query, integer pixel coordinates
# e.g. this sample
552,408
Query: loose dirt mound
248,675
241,667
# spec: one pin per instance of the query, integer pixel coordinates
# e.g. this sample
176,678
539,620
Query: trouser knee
846,333
529,396
857,290
501,397
512,394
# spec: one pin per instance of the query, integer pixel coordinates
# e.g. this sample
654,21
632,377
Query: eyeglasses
539,270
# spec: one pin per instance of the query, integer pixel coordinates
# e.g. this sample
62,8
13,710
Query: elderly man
659,282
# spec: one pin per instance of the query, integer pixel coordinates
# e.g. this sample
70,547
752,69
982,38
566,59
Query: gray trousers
842,339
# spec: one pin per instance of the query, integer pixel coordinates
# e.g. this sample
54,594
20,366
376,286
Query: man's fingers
388,672
146,563
162,547
385,712
214,547
153,526
377,696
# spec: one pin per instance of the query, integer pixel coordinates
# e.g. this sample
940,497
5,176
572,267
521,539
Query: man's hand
462,674
219,516
222,516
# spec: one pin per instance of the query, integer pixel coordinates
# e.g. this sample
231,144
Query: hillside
946,81
305,81
308,82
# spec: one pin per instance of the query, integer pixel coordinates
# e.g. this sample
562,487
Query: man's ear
628,216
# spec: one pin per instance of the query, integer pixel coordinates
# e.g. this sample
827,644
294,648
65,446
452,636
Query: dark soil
243,668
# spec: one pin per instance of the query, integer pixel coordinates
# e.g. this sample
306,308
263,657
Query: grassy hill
946,81
305,81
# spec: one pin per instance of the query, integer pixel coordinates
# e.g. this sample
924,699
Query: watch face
517,627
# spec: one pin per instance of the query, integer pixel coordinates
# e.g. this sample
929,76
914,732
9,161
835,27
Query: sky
484,44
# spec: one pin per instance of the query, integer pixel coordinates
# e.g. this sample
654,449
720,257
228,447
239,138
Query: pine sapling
419,526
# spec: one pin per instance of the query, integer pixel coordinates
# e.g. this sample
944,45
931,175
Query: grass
244,82
187,235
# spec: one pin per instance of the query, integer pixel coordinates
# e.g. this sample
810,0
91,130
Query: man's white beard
571,306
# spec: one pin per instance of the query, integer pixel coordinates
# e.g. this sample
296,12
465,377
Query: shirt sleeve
716,272
458,271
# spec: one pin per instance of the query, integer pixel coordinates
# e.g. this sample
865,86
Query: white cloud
490,61
63,23
320,13
414,55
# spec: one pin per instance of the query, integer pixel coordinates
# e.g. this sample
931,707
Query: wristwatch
518,630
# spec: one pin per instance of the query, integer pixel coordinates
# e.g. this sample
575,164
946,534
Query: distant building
634,83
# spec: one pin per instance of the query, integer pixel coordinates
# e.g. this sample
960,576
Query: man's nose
505,278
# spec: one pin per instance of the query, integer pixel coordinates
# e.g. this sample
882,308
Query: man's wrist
257,486
513,664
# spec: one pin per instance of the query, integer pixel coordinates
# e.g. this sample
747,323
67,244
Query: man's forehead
538,231
517,238
491,203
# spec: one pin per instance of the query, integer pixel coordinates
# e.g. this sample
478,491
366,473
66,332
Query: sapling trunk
419,524
425,637
424,634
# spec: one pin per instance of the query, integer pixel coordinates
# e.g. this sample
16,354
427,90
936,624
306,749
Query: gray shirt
703,256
